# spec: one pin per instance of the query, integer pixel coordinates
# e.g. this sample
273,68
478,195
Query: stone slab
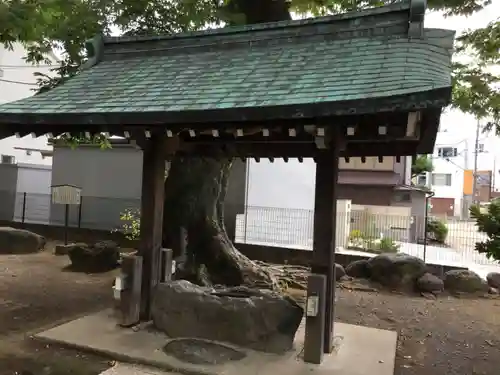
126,369
361,351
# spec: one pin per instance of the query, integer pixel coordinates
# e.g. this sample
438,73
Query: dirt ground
36,292
447,336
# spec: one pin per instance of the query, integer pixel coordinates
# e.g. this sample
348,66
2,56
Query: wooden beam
293,149
151,226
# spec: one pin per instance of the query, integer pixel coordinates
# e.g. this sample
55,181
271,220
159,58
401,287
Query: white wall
280,184
13,70
35,181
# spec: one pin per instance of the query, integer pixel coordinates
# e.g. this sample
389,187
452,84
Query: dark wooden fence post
24,209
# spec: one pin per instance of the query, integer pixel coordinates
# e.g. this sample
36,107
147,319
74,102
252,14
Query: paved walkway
124,369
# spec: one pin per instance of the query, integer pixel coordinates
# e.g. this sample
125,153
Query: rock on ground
20,241
100,257
493,279
396,270
260,320
358,269
464,281
339,272
429,283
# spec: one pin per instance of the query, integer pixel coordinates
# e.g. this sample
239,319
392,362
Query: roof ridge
395,7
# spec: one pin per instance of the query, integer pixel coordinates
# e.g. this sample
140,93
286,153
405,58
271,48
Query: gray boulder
20,241
251,318
396,270
464,281
100,257
339,271
429,283
493,279
358,269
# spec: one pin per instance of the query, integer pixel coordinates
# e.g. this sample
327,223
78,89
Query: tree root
286,276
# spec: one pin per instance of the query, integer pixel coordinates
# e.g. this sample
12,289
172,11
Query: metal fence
282,227
92,212
359,231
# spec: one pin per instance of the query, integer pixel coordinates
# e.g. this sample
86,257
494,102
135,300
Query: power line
18,82
28,66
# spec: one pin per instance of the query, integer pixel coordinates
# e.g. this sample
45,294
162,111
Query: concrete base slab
361,351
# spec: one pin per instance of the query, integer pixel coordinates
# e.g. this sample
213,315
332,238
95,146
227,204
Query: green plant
388,245
355,235
131,223
436,230
488,222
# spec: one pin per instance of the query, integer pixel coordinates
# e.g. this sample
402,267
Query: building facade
454,160
291,184
17,81
111,181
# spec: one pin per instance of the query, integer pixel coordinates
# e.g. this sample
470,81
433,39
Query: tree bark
195,191
194,200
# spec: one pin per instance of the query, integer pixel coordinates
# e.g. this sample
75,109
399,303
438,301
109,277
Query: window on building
8,159
422,180
441,179
447,152
480,147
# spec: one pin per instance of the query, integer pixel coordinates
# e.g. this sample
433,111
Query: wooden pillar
325,218
153,179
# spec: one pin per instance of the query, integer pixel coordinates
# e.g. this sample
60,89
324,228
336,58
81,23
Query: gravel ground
447,336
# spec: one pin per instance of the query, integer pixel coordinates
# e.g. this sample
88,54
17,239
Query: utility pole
474,172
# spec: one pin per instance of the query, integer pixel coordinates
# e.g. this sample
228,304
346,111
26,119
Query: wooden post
151,226
325,218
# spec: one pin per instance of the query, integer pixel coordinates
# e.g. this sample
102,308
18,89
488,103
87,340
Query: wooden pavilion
368,83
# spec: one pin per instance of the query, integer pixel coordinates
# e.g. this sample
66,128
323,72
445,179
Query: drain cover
201,352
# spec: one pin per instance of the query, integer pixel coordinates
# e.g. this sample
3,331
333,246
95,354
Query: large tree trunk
194,200
195,190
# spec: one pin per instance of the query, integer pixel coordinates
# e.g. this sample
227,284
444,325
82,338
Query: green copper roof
294,65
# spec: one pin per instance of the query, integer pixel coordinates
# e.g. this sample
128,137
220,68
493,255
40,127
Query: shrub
388,245
355,235
131,223
436,230
488,222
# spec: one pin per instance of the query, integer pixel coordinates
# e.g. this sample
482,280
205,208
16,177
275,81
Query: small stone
429,283
100,257
62,249
464,281
339,272
493,291
358,269
397,271
493,279
20,241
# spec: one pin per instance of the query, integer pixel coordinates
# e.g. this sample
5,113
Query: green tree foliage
477,82
437,231
488,222
421,164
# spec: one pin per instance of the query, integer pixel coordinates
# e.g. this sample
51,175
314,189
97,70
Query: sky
452,120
